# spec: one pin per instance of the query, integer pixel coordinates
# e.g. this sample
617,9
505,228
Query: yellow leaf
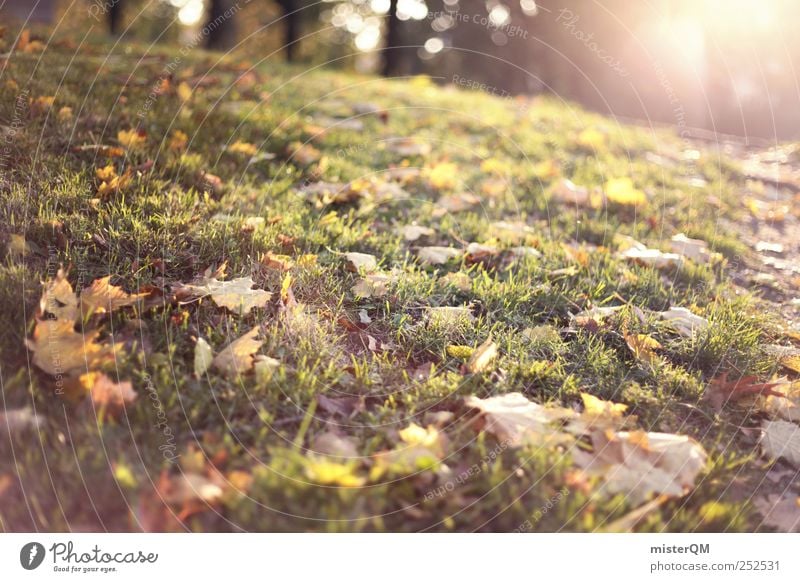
101,297
236,295
130,138
237,357
184,91
443,176
622,191
643,347
59,350
244,148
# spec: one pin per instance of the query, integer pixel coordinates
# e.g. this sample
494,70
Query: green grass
81,472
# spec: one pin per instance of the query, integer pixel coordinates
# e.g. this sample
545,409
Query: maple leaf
58,349
237,357
101,297
131,138
597,415
787,405
721,390
236,295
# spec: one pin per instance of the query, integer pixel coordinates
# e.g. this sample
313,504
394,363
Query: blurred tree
391,50
221,25
292,15
115,17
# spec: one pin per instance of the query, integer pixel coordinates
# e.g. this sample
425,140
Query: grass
83,470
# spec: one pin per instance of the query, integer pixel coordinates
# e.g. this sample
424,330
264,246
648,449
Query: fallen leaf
373,285
691,248
412,232
408,147
59,299
780,512
482,357
17,420
131,138
643,347
58,349
722,391
235,295
622,191
106,394
437,255
361,262
449,315
203,357
101,297
598,415
652,257
781,439
784,400
515,420
639,464
237,357
420,449
684,321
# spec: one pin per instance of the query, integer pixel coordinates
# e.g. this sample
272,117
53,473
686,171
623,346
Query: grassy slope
160,230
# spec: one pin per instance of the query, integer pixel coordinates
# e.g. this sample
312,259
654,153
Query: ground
348,407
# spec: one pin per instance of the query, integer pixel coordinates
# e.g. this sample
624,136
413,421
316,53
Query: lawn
344,303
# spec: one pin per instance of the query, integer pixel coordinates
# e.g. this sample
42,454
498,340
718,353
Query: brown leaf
237,357
106,394
101,297
482,357
721,390
58,349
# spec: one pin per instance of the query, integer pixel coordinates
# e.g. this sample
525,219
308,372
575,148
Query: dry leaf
58,349
234,295
652,257
100,297
643,347
691,248
361,262
639,464
781,513
437,255
13,421
237,357
482,357
420,449
622,191
781,439
203,357
59,299
684,321
598,415
412,232
107,394
373,285
515,420
331,444
784,400
721,391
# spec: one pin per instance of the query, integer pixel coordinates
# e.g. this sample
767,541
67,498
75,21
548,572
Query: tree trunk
115,18
391,50
221,27
291,28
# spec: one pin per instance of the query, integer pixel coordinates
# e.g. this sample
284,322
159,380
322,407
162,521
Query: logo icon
31,555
